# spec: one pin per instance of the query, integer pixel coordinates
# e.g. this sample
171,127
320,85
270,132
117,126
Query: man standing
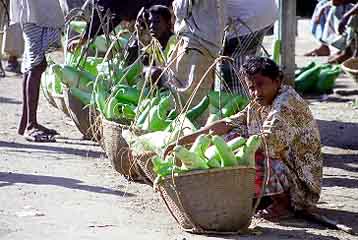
249,21
41,21
200,27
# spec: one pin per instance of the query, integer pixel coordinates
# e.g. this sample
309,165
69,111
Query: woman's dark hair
161,10
261,65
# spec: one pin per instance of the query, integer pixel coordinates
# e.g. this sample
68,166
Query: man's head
263,78
159,20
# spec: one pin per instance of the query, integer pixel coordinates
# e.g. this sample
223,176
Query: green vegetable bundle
209,152
316,78
223,104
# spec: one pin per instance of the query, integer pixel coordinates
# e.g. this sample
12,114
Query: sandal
37,135
47,130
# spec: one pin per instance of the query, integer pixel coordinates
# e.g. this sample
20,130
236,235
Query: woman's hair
261,65
162,11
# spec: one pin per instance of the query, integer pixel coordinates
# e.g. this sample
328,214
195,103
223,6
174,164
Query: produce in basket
200,145
246,154
212,153
198,110
157,116
219,155
78,26
227,156
73,77
189,160
82,96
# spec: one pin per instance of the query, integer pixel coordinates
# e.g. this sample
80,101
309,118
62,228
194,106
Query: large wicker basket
79,113
217,201
48,96
118,151
350,67
144,161
61,105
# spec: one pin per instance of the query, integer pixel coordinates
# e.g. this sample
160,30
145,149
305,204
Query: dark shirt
120,10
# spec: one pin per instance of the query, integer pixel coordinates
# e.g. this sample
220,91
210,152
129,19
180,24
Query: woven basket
61,105
350,67
79,113
217,201
146,166
96,125
118,151
48,96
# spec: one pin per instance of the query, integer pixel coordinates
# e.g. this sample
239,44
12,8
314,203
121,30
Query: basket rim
347,69
206,171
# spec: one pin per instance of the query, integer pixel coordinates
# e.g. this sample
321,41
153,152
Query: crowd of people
276,112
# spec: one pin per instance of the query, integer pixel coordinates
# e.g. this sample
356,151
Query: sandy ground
68,190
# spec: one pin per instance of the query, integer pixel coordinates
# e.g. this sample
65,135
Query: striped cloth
278,181
240,48
38,41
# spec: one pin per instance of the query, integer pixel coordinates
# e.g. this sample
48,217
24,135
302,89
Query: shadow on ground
268,233
340,182
348,162
50,148
348,219
13,178
9,100
339,134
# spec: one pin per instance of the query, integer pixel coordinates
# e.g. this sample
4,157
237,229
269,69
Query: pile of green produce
316,78
101,43
208,152
222,105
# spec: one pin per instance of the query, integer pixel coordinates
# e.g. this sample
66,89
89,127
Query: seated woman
283,119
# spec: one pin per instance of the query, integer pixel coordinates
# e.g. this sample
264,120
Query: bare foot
279,209
322,50
340,57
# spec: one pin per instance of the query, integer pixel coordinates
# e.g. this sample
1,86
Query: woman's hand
74,43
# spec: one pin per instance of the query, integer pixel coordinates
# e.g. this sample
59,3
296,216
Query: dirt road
67,189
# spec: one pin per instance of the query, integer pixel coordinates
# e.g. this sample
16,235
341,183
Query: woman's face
263,89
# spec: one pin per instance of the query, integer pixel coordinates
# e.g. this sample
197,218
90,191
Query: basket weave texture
350,67
144,161
213,201
61,105
118,151
48,96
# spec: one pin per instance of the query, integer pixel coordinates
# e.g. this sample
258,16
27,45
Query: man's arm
346,17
